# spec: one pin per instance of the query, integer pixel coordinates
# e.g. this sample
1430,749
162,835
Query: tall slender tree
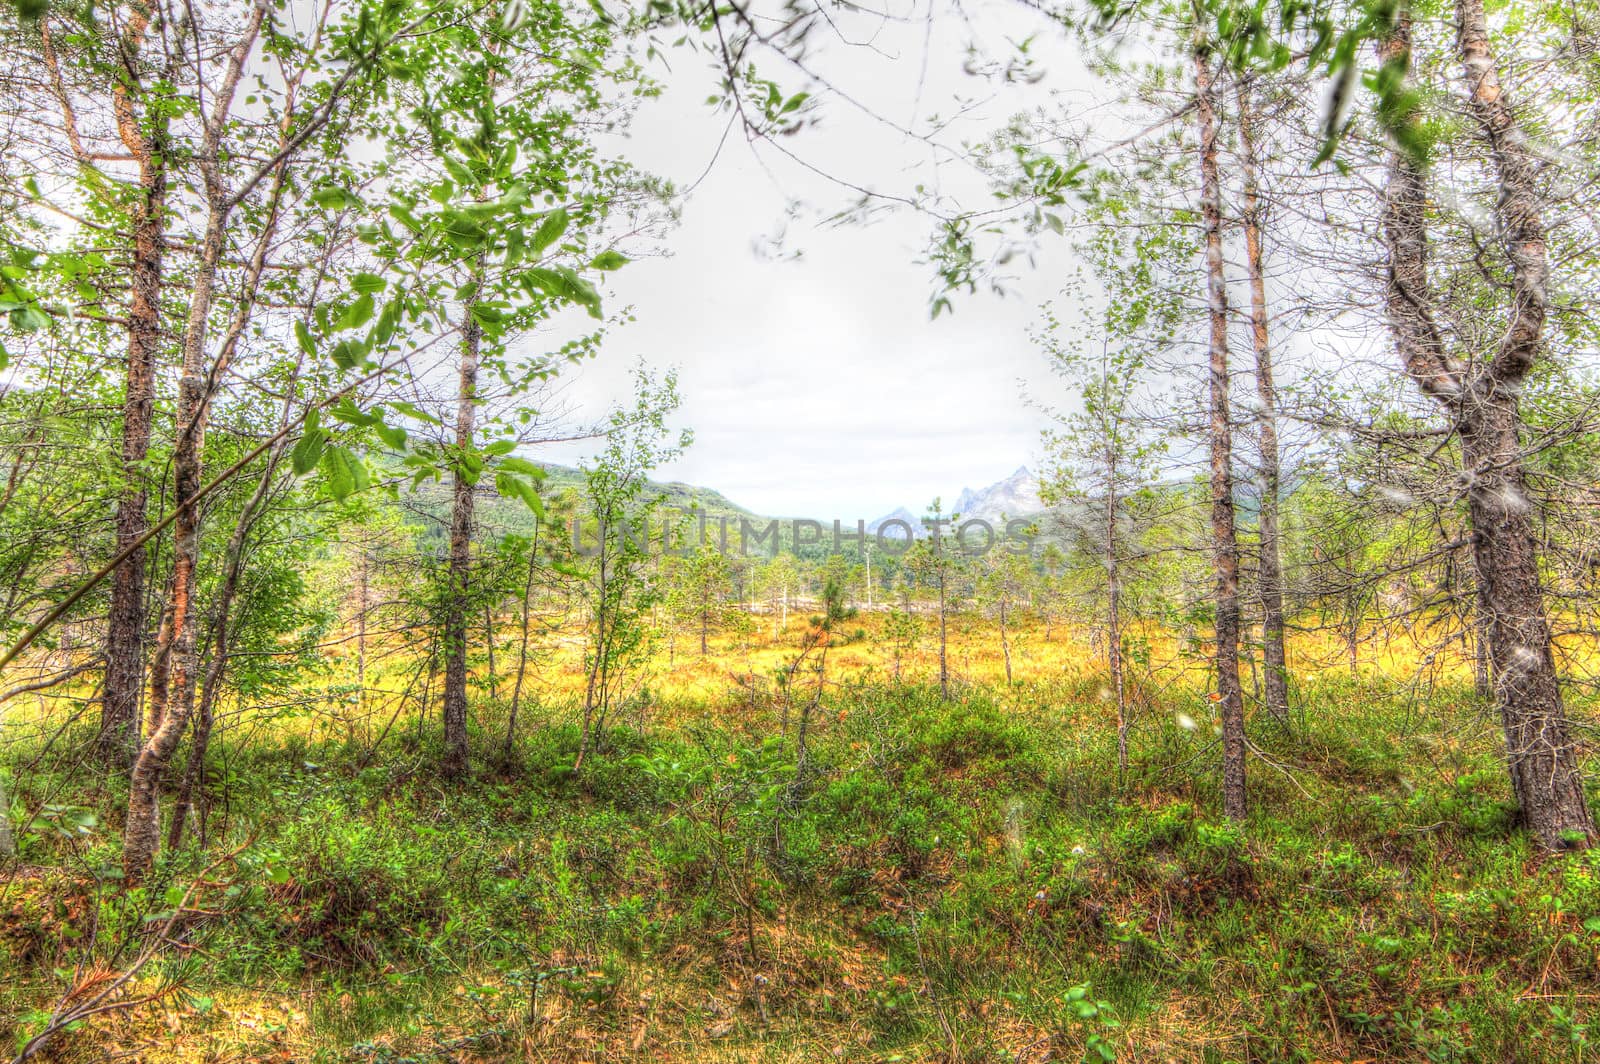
1224,536
1270,577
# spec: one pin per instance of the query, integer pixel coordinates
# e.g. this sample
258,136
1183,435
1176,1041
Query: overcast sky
815,381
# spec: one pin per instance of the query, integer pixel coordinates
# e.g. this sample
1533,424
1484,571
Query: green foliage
621,508
949,857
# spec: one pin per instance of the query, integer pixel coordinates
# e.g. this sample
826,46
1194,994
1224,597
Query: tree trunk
124,676
461,514
160,674
1224,540
1274,660
602,618
1005,642
364,590
488,640
522,646
802,754
1545,772
1542,762
944,668
142,831
1114,612
8,845
170,710
210,686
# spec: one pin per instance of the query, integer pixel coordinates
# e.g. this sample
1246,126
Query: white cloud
819,385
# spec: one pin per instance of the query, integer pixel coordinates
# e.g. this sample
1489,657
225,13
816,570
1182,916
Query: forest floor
970,879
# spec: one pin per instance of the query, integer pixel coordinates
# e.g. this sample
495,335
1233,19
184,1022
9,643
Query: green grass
968,879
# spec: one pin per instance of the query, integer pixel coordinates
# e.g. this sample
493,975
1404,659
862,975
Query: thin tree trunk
426,704
944,668
1482,680
361,631
461,515
212,683
602,615
1225,544
522,646
8,845
488,636
1114,612
1542,761
160,673
125,635
802,755
1274,659
1005,642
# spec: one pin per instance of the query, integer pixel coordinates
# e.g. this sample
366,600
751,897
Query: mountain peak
900,515
1014,496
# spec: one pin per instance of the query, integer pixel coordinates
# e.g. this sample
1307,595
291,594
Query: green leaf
29,318
465,233
609,260
550,230
403,215
367,282
563,284
388,321
333,199
392,435
302,336
514,464
586,295
347,412
348,353
512,487
412,410
340,470
308,451
485,314
357,314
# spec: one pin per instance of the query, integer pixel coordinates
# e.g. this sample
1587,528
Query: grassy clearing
952,880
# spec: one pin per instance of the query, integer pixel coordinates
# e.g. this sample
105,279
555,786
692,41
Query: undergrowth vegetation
945,880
